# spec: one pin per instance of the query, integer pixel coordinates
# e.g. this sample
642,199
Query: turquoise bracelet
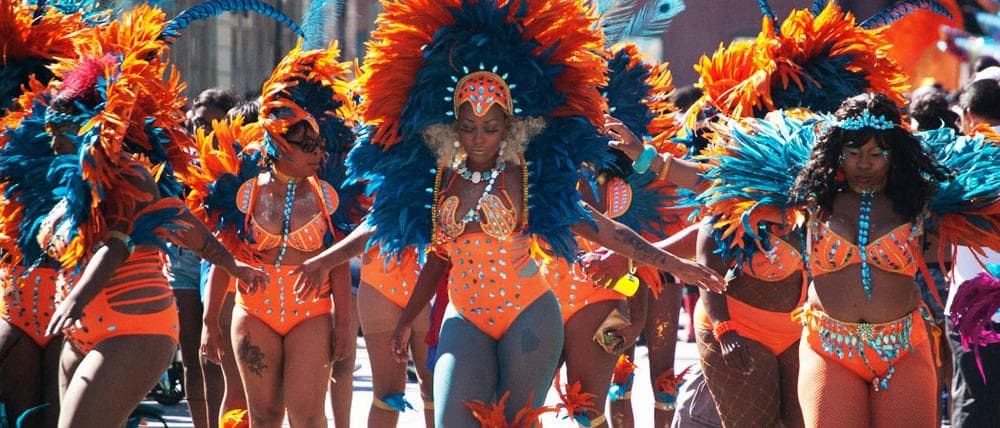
645,160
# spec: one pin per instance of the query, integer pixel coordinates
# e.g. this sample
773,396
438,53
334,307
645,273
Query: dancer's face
480,136
866,167
305,154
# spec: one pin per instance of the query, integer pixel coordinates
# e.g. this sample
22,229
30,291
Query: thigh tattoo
252,356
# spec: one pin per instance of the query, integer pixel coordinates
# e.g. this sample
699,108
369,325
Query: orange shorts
394,279
777,331
277,306
29,301
573,289
142,273
848,344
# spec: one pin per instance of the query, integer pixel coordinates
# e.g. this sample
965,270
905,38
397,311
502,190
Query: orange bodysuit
29,300
572,286
777,331
493,277
276,305
114,312
394,279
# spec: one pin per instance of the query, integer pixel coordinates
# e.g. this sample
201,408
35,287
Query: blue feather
765,9
896,11
762,166
212,8
317,24
24,165
817,6
975,180
639,18
989,23
150,227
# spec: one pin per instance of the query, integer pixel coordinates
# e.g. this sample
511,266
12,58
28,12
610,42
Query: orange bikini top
498,216
307,238
891,252
775,265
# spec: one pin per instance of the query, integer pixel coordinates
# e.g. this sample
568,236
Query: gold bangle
665,169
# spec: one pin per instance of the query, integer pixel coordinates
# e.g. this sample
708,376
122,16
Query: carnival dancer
32,37
266,187
599,326
105,140
484,113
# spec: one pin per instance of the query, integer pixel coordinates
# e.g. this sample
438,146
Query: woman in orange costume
272,208
480,137
877,331
107,140
29,359
385,289
598,326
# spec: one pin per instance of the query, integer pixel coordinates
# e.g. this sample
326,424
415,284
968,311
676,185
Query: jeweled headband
865,120
483,89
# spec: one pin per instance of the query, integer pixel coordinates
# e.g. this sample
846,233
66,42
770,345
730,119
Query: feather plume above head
548,54
31,38
815,61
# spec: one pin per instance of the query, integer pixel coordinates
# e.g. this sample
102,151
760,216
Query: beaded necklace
473,214
286,224
864,222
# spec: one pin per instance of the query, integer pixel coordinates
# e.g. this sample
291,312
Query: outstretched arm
621,239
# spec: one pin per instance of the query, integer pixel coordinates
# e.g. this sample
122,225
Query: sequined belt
889,340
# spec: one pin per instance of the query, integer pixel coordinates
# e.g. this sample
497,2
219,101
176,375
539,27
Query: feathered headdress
546,52
816,59
31,38
638,93
309,86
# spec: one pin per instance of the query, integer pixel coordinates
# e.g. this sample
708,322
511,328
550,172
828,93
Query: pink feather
976,301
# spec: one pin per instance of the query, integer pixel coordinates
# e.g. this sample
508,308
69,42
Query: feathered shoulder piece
313,86
815,59
32,37
757,163
544,57
638,94
966,209
25,159
227,157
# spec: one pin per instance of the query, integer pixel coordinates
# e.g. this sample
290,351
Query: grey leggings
472,366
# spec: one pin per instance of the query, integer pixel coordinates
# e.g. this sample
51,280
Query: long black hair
912,176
